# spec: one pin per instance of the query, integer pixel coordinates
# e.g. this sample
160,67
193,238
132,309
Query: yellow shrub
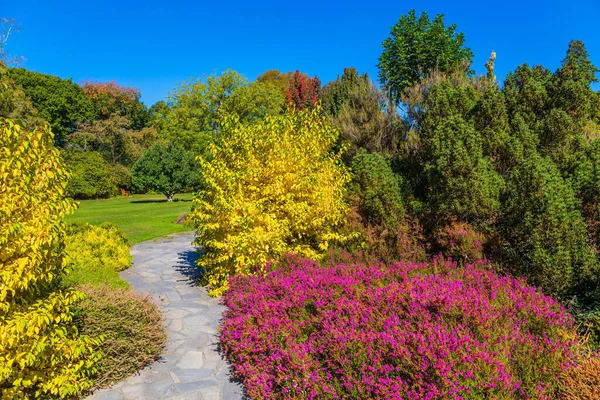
271,187
99,247
41,354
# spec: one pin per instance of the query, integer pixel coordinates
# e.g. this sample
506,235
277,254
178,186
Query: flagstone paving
191,366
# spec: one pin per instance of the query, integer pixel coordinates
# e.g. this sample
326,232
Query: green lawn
139,217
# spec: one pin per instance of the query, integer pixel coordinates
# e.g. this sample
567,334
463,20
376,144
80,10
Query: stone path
191,366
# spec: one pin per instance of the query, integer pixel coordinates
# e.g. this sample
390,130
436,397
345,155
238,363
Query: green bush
97,253
378,190
544,232
131,325
90,175
121,177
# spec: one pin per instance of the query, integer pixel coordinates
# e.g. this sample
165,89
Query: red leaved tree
303,92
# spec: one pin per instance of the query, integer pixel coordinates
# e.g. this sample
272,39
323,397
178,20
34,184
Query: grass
81,274
139,217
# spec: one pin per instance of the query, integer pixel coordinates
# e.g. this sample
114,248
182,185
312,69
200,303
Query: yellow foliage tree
41,354
271,187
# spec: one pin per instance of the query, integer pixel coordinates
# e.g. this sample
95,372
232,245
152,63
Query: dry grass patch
131,325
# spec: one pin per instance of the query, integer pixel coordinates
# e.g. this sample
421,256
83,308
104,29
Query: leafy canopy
61,102
165,169
193,111
269,188
417,46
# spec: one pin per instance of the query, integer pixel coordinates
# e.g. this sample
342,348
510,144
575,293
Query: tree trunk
169,197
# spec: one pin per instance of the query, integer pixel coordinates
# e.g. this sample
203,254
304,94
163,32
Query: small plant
131,325
581,381
97,254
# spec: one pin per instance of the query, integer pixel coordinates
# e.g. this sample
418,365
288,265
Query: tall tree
194,110
544,232
303,92
113,139
279,79
364,120
572,91
417,46
166,169
110,98
61,102
335,94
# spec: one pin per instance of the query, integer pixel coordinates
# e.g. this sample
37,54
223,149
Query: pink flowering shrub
407,330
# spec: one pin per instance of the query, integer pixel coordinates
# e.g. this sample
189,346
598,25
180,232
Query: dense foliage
41,353
14,103
193,112
269,188
378,189
61,102
303,92
417,46
109,98
90,175
406,330
97,255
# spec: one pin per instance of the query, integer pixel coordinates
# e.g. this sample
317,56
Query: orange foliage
582,381
110,97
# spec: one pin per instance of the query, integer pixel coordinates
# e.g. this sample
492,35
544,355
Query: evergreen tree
544,232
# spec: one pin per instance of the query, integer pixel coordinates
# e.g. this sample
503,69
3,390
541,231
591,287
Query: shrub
90,175
98,253
459,241
131,325
121,177
386,243
582,380
544,232
269,188
41,353
378,190
406,330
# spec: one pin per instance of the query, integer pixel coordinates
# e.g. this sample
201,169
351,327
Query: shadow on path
186,266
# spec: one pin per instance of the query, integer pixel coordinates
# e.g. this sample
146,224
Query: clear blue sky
154,45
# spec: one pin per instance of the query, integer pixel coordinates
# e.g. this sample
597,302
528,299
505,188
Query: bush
90,175
405,330
97,253
544,232
121,177
582,380
460,242
269,188
41,353
378,190
131,325
386,243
